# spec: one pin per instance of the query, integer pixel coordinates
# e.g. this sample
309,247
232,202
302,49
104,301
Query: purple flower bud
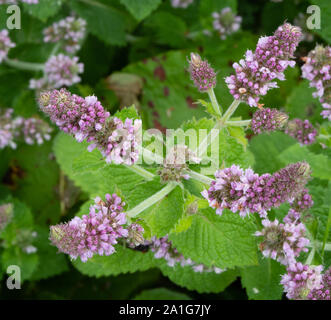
317,70
5,44
268,120
300,280
256,74
324,291
87,120
302,202
95,233
202,73
247,192
303,131
226,22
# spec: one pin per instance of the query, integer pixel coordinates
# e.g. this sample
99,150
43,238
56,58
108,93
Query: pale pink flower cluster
300,280
283,241
246,192
15,129
86,119
181,3
257,73
226,22
60,70
317,69
70,30
92,234
17,1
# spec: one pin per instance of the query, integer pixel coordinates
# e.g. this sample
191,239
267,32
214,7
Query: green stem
141,171
203,146
318,244
55,49
61,193
324,136
326,234
199,177
30,66
234,105
239,123
310,256
217,108
151,200
205,143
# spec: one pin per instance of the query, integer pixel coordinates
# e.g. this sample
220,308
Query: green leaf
161,294
66,150
231,148
104,21
301,103
319,163
22,219
168,29
141,9
123,261
223,241
89,171
266,149
13,254
44,9
205,282
162,216
164,100
26,262
50,262
262,282
37,184
129,112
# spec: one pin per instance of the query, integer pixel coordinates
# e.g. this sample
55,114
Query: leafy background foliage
145,44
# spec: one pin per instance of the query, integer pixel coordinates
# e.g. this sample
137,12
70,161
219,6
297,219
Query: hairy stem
30,66
199,177
239,123
319,244
229,112
205,143
151,200
310,256
61,193
141,171
217,108
55,49
326,234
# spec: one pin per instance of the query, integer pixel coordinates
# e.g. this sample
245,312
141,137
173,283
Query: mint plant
163,143
234,191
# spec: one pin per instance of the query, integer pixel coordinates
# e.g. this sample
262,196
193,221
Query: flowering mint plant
178,142
159,198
